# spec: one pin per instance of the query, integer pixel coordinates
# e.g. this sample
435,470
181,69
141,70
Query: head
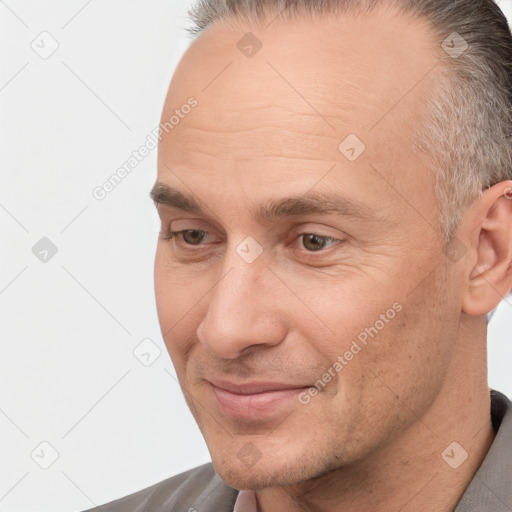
340,188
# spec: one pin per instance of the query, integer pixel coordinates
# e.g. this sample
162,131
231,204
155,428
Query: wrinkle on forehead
325,78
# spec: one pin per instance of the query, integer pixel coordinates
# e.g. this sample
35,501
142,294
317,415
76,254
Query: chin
278,471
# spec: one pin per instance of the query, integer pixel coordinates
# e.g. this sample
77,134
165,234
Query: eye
190,236
316,243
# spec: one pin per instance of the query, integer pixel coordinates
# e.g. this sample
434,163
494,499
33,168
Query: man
334,186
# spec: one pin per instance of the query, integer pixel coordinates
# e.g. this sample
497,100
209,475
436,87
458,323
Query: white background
68,327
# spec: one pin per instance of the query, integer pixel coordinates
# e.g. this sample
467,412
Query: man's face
258,309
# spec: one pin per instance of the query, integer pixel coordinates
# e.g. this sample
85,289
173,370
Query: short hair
466,123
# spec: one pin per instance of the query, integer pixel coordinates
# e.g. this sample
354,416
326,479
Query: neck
420,470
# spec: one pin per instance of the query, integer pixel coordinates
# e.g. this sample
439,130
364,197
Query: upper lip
250,388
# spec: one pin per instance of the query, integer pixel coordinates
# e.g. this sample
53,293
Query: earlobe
490,278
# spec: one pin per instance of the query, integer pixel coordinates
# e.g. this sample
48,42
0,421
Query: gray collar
490,490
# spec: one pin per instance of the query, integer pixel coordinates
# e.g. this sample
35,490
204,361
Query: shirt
246,502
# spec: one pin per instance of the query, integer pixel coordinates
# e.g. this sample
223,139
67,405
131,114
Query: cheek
163,291
176,287
406,365
174,307
385,344
351,314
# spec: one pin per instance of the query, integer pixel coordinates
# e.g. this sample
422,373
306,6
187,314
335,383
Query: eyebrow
311,203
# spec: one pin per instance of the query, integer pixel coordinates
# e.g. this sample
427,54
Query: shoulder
491,487
197,490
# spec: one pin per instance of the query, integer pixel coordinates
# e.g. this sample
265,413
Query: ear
490,278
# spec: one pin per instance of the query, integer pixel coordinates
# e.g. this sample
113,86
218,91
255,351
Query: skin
268,128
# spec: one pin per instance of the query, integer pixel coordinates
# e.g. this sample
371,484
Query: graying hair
466,128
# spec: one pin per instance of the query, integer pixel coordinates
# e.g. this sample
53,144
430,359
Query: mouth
256,400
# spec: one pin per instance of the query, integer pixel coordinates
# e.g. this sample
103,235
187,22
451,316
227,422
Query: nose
244,310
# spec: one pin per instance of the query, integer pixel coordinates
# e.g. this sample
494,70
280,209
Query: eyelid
186,225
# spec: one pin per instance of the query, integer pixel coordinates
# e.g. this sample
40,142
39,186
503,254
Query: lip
255,400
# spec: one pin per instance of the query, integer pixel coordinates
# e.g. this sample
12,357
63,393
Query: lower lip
257,405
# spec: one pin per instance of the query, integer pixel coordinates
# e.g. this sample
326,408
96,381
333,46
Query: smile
255,400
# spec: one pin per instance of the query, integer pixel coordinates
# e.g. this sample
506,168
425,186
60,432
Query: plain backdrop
84,417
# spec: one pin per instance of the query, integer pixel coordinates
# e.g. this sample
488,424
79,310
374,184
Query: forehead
281,114
338,62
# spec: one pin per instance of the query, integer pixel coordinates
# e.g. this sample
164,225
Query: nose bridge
240,313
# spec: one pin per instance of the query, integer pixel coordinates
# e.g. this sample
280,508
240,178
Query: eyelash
172,235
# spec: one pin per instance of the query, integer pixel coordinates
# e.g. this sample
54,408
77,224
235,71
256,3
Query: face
304,297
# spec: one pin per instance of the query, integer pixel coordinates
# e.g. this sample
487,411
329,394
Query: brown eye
193,236
314,242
